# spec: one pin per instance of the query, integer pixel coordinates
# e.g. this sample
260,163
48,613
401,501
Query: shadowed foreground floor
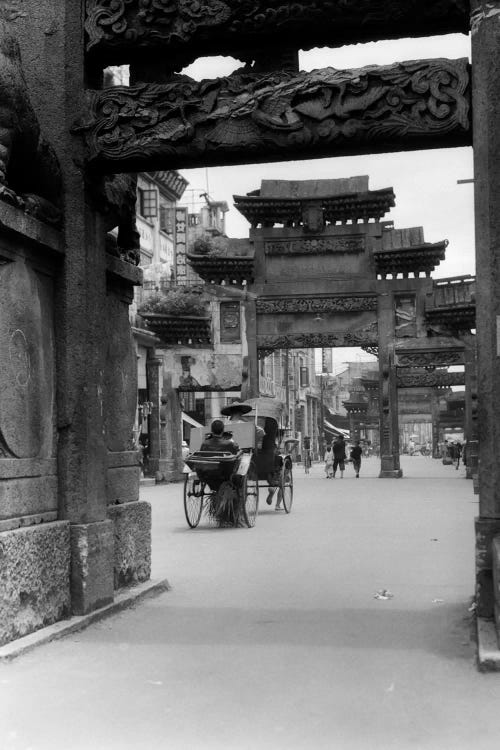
272,637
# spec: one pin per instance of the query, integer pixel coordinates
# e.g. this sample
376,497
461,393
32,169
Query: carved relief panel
26,363
192,27
279,115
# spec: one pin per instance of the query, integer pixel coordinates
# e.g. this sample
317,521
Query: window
304,377
148,203
167,219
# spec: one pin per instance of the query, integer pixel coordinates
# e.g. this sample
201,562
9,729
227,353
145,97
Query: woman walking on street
329,462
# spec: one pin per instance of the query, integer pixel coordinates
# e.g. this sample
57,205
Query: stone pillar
352,429
389,421
130,519
471,427
153,367
170,466
486,130
435,423
250,381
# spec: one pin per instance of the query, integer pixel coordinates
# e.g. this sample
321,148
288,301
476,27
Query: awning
191,421
329,427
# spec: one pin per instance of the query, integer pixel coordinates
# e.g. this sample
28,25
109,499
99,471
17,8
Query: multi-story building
290,376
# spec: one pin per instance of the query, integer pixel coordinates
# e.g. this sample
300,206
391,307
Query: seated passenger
218,440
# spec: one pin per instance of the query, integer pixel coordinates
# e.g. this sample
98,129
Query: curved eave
371,205
223,268
456,316
419,259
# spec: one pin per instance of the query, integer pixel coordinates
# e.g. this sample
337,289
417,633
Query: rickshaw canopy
262,407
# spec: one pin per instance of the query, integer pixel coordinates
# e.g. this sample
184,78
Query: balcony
223,261
179,317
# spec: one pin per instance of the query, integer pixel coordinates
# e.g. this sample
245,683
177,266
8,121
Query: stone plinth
92,554
487,531
34,578
123,474
132,542
495,551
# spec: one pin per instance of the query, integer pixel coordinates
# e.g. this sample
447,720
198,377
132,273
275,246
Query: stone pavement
272,638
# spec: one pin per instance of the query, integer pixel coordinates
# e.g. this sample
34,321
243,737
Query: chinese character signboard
181,244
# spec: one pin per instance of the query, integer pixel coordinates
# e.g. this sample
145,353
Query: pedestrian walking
355,456
329,462
458,453
339,456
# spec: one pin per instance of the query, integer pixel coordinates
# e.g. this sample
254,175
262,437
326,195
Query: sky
425,182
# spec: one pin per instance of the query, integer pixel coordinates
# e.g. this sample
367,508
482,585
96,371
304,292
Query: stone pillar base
472,458
487,597
394,474
389,468
132,542
495,553
92,553
165,470
34,578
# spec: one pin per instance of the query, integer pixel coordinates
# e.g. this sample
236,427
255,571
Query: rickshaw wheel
286,485
250,496
194,491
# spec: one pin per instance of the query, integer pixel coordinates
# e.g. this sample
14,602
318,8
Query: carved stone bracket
316,304
195,27
358,337
247,118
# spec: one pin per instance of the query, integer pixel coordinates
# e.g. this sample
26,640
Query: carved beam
126,30
430,379
286,305
251,118
358,337
430,358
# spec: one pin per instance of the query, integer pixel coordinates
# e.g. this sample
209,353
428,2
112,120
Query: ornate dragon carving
356,337
430,379
430,358
246,117
30,176
316,305
235,24
316,246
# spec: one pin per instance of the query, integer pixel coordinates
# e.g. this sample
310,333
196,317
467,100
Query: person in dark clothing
339,456
355,457
218,440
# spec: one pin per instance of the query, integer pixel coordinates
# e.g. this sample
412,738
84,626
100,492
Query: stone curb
123,600
488,653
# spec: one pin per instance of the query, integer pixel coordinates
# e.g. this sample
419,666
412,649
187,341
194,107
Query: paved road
272,637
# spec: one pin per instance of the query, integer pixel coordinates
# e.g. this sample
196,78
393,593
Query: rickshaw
274,466
221,483
225,485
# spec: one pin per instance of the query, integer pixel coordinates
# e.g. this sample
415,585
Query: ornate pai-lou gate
333,274
269,110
